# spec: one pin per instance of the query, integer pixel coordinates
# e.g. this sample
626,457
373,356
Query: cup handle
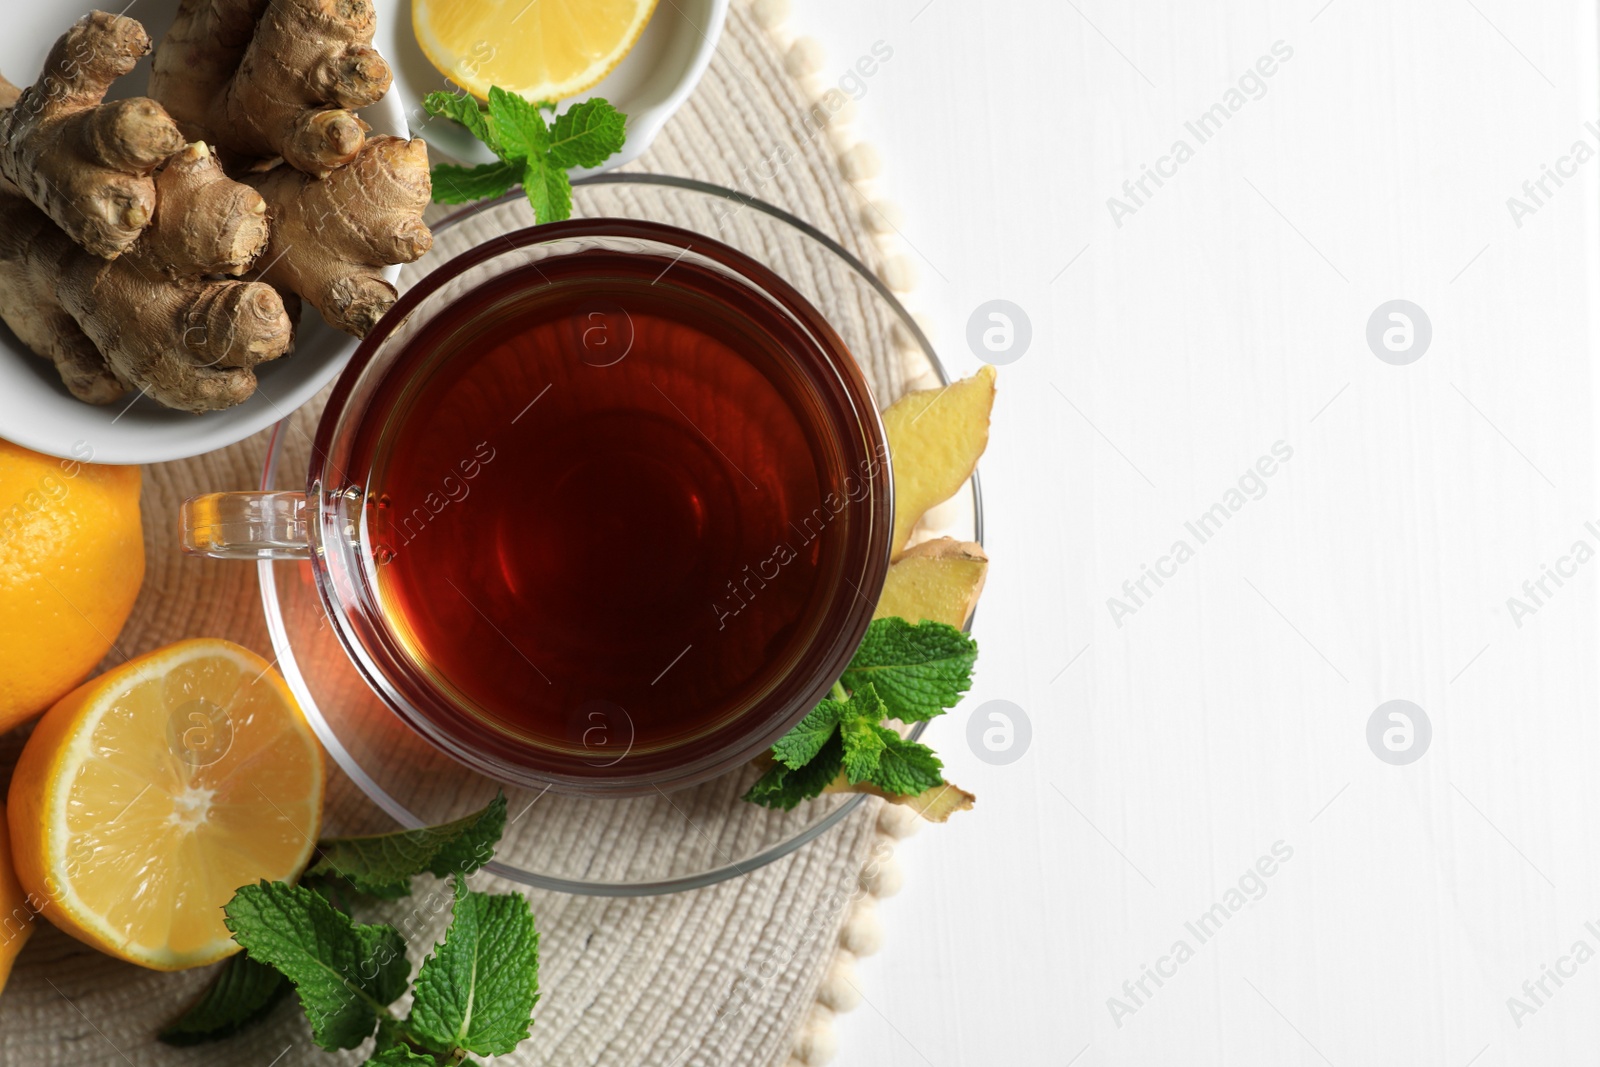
246,526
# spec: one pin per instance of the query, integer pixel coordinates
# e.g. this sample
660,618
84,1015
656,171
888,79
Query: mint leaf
548,190
478,988
810,780
919,670
393,1050
863,746
783,787
382,865
800,745
905,768
242,992
400,1056
459,107
519,125
587,134
459,854
345,973
462,185
768,790
392,1033
559,193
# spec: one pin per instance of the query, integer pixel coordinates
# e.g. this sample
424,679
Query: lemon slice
538,49
145,797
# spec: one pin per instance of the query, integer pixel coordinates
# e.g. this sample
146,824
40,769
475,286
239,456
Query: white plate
652,81
36,410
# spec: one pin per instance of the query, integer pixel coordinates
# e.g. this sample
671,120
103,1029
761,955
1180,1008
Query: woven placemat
744,973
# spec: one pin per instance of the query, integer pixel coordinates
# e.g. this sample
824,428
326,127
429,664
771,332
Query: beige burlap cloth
744,973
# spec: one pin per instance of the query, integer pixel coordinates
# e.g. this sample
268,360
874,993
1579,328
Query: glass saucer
608,847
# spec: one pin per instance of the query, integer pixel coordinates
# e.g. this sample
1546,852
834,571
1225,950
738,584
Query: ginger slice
271,78
934,805
84,163
939,580
332,237
935,439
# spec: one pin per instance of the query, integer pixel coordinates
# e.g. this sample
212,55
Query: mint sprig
474,994
905,671
532,152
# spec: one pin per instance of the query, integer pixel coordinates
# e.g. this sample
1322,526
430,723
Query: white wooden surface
1229,712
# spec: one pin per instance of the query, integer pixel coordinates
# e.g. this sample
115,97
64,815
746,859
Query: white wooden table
1226,714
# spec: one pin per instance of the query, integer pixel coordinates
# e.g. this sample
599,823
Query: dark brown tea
602,512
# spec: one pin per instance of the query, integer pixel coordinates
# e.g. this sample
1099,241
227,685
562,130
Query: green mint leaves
243,992
401,1056
461,108
534,153
906,768
800,745
474,994
347,973
383,865
900,671
784,786
919,671
477,991
587,135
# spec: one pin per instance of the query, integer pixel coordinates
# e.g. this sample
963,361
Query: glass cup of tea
596,488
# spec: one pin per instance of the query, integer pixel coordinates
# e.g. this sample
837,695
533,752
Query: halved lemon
146,796
538,49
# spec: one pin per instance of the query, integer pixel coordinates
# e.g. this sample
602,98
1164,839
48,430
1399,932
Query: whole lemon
71,562
16,912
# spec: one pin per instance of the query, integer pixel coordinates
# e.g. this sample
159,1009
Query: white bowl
35,409
652,81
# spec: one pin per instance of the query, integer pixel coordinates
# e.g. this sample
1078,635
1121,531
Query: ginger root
275,78
332,237
84,163
155,318
28,241
270,78
113,231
